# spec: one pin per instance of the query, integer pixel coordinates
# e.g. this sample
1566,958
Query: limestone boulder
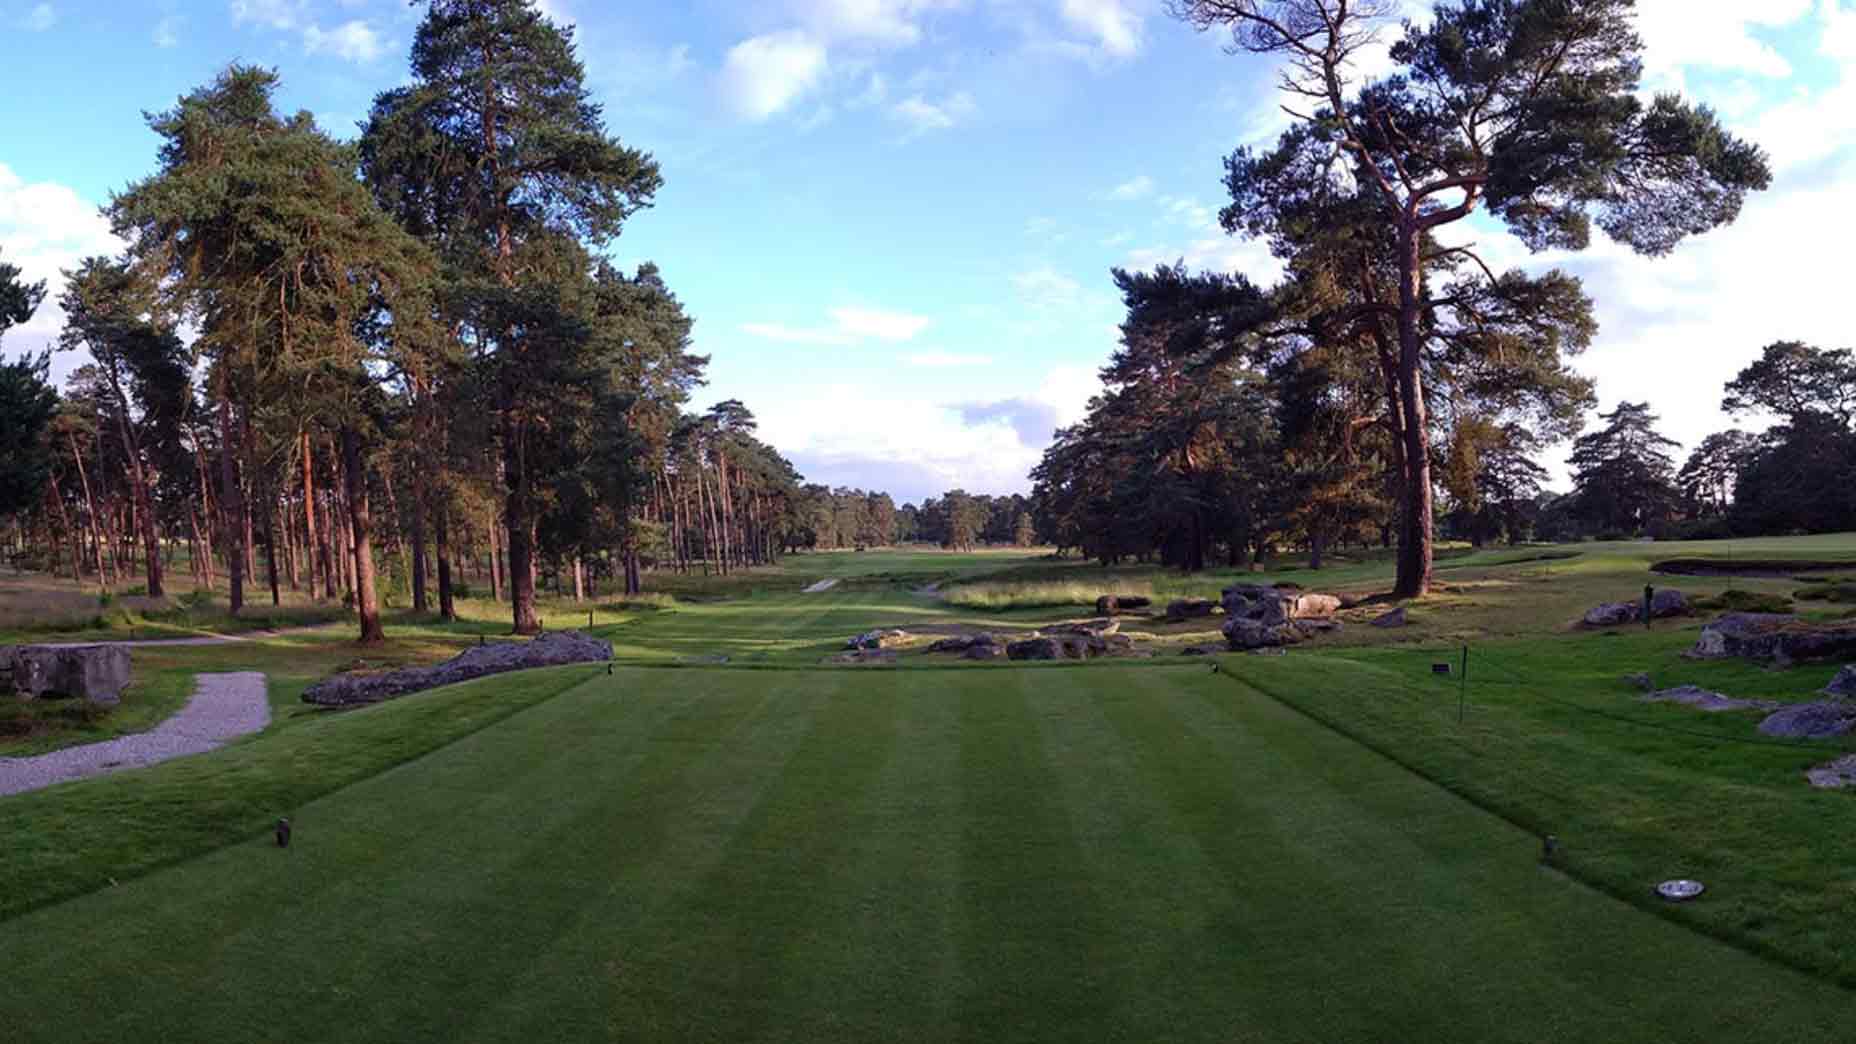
990,651
1190,608
1035,649
1844,684
1085,628
1820,720
1245,633
1611,614
94,673
1395,618
1779,638
1667,602
552,649
887,639
1739,634
960,643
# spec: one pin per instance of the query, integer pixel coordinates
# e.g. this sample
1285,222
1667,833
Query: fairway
1093,853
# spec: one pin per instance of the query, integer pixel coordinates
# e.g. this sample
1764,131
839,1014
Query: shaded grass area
805,855
77,837
1552,739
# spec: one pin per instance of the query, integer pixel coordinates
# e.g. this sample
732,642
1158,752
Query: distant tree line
831,519
407,356
1797,476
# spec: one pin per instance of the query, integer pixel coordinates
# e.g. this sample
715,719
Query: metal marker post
1462,687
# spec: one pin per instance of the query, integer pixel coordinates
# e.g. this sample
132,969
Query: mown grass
1094,854
1554,740
77,837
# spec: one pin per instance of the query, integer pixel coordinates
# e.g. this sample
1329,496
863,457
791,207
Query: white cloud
922,115
884,326
887,22
946,360
1047,288
848,326
40,18
763,75
45,227
276,14
167,31
354,40
1136,187
1838,23
1715,34
914,447
1111,24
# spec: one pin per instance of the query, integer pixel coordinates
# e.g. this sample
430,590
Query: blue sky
893,220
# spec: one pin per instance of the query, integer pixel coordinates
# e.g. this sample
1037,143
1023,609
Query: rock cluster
1068,646
1701,699
551,649
962,642
1664,603
1819,720
1772,636
1109,605
97,673
1267,617
878,640
1189,608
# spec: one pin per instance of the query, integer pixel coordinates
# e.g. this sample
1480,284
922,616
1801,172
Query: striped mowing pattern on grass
1093,854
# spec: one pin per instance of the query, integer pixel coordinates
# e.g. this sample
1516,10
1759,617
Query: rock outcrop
96,673
1773,636
1611,614
960,643
1701,699
1844,684
1270,618
1189,608
1820,720
549,650
878,640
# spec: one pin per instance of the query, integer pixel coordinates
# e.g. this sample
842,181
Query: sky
894,220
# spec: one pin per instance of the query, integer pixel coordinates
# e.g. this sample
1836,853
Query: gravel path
223,707
822,585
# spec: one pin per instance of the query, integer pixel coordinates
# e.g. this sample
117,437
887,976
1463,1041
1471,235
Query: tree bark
90,507
1414,553
419,494
309,522
366,598
441,538
270,551
231,504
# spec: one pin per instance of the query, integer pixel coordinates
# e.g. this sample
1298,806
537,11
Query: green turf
1093,853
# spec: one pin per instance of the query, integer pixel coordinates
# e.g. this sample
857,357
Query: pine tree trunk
1414,553
310,540
441,538
496,562
90,508
231,504
64,523
419,493
366,598
270,552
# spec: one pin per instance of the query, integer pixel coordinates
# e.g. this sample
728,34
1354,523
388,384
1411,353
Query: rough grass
1048,594
1094,854
1553,739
